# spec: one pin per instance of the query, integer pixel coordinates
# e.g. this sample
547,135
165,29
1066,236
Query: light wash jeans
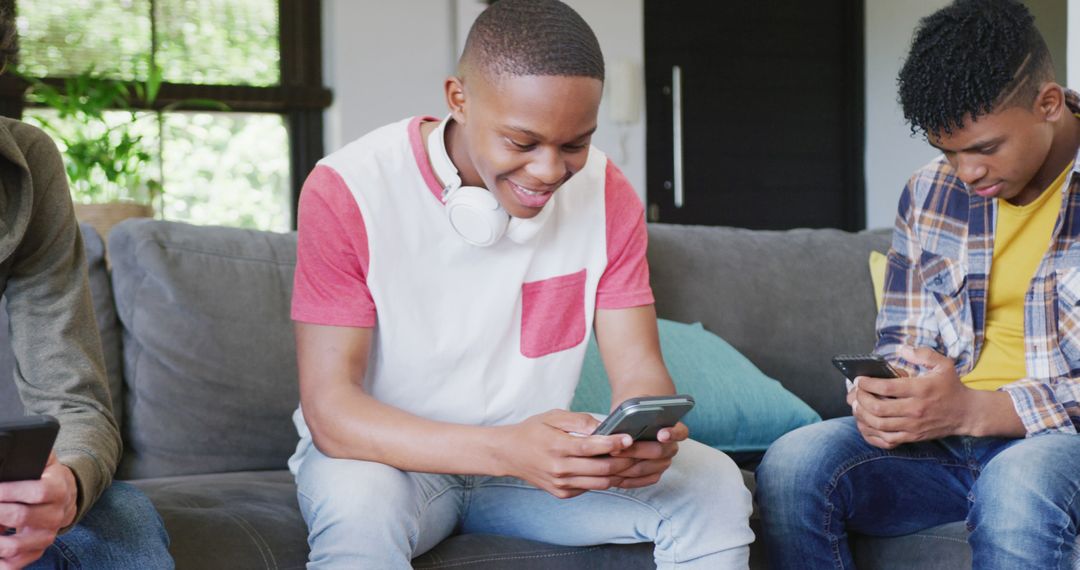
121,532
1018,496
369,515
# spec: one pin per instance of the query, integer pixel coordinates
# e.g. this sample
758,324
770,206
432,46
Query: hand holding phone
25,445
643,418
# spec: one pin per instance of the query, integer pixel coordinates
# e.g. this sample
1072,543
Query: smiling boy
981,309
448,275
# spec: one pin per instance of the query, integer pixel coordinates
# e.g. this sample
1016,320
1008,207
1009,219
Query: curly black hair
532,37
969,59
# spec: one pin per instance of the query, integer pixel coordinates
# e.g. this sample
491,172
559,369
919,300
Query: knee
709,477
804,458
334,491
124,520
1030,479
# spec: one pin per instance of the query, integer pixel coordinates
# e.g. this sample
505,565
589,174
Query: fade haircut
970,59
531,37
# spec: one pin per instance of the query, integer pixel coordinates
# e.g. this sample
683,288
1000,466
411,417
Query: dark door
763,102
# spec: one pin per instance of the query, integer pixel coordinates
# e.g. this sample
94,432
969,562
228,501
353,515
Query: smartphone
25,445
870,365
644,417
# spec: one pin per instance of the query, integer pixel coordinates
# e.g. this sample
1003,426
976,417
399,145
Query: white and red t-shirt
464,334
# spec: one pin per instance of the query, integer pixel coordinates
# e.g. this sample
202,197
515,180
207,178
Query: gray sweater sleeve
60,369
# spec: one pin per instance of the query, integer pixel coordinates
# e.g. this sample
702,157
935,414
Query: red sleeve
625,282
330,284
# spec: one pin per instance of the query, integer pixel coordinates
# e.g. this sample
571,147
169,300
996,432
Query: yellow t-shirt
1021,239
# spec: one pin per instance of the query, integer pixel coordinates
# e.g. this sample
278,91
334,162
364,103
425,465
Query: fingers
649,450
645,468
594,445
640,482
590,466
883,387
678,432
575,422
924,356
23,547
19,515
29,492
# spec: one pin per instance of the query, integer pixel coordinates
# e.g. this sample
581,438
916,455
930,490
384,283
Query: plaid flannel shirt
936,281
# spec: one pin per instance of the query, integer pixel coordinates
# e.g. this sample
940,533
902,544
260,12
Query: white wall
387,60
384,61
892,154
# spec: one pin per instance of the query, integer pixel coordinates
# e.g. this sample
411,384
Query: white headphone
473,212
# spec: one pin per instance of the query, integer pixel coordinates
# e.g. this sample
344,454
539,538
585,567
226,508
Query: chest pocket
941,276
946,280
1068,319
552,314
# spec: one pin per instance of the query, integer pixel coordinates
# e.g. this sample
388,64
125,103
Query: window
260,58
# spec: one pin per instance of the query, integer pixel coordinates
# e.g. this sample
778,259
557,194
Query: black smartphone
644,417
871,365
25,445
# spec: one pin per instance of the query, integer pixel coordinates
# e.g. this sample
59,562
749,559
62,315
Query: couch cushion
210,365
231,520
787,300
108,327
252,520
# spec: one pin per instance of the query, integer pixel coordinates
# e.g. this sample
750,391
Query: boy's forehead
980,130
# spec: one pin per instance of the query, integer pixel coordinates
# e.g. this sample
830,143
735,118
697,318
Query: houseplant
113,168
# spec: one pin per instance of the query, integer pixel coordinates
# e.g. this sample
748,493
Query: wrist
494,443
992,414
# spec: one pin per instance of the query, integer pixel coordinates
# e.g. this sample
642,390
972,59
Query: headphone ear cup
476,215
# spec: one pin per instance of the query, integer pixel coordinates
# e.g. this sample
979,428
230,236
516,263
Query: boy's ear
455,98
1050,102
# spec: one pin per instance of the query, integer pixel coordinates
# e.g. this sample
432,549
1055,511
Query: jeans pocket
552,314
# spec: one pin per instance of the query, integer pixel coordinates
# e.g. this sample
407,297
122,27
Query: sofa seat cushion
252,520
248,519
490,552
942,547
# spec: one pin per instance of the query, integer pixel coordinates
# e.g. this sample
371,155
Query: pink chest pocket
552,314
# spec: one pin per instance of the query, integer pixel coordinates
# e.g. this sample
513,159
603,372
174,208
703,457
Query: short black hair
532,37
969,59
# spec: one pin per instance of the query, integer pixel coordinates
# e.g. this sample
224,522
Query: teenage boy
74,516
980,311
437,355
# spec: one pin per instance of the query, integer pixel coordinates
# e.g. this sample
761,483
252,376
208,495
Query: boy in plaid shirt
980,313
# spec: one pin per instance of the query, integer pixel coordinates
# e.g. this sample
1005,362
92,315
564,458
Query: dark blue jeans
122,531
822,481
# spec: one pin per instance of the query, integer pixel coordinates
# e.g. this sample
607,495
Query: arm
60,369
930,402
630,348
345,422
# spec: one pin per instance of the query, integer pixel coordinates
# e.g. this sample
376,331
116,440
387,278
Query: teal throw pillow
738,409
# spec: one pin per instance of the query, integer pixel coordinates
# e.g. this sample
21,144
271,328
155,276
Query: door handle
676,133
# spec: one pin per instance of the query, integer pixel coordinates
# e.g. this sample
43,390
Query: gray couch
199,346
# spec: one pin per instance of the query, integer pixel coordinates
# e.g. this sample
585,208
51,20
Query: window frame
300,98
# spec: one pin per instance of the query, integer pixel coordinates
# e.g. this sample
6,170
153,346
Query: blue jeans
122,531
369,515
819,482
